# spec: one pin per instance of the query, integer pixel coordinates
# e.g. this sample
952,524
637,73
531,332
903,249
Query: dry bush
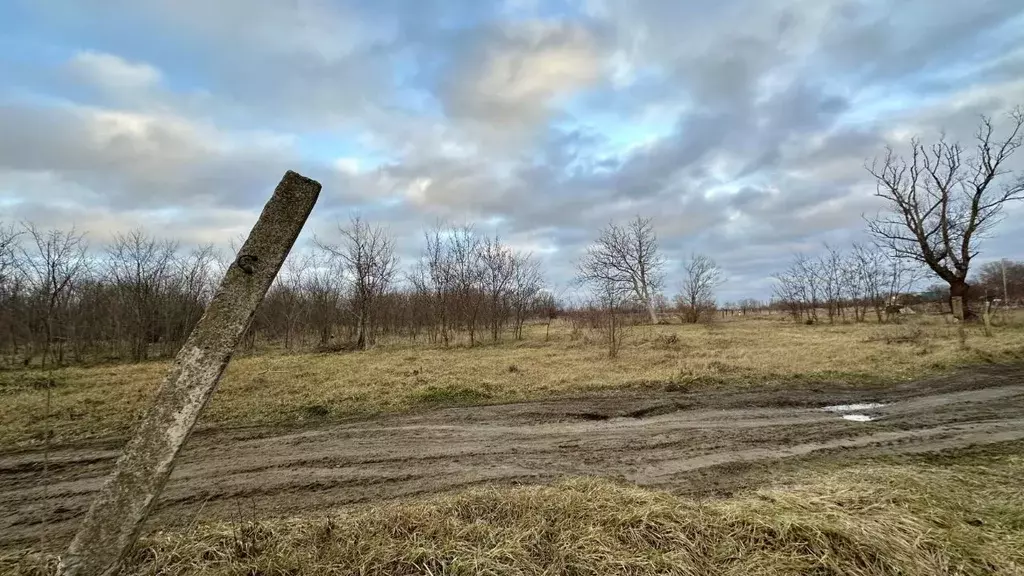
667,342
899,334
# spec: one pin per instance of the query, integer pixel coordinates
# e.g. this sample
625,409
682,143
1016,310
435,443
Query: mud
690,442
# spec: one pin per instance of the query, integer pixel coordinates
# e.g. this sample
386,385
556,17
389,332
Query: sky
742,127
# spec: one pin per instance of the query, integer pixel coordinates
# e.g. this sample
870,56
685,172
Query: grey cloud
131,160
483,118
861,39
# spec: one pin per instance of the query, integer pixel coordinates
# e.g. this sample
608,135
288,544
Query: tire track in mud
651,437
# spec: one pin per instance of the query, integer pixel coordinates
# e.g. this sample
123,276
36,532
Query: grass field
274,388
916,516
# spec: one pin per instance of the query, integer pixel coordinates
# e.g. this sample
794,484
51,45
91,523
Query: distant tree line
845,285
1000,282
137,297
939,200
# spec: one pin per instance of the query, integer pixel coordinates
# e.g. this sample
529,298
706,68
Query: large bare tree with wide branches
625,261
943,198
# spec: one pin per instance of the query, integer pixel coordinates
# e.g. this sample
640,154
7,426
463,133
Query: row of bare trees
940,200
138,297
622,270
845,285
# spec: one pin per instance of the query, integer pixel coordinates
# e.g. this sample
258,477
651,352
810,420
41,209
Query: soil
701,443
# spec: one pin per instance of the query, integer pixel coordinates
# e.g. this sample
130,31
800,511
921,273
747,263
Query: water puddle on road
843,408
858,417
852,407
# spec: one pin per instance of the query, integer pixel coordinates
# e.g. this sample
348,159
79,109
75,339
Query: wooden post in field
115,518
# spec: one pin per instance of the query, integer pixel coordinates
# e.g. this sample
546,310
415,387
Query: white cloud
113,73
347,165
514,75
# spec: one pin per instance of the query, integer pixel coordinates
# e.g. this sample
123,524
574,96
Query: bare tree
287,293
748,305
943,199
788,292
829,269
525,290
464,247
322,286
11,288
625,262
608,300
56,259
499,267
367,255
434,279
8,252
196,278
697,297
867,264
140,267
1002,279
799,288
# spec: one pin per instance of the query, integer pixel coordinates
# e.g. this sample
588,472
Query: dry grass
276,388
964,517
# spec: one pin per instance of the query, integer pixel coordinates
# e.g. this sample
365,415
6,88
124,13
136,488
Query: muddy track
670,439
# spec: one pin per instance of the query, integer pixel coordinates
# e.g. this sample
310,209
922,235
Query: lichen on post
116,516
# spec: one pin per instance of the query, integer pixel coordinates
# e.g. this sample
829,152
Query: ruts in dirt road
652,437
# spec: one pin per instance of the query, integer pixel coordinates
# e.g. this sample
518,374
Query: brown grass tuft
870,519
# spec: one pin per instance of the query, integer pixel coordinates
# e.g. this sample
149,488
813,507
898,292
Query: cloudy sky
740,126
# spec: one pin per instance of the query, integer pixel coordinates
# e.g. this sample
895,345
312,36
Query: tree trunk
960,288
650,310
361,340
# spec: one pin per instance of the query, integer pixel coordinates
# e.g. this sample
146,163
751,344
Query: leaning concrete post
116,515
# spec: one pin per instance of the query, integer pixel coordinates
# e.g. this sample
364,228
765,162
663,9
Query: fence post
115,518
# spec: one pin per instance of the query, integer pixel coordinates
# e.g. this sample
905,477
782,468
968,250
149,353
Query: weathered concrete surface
118,511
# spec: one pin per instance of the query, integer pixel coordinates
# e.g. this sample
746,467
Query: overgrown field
274,388
910,517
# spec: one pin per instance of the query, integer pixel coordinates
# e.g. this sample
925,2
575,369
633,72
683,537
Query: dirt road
683,441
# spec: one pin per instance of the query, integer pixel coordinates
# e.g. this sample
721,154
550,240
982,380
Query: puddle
841,408
858,417
851,407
